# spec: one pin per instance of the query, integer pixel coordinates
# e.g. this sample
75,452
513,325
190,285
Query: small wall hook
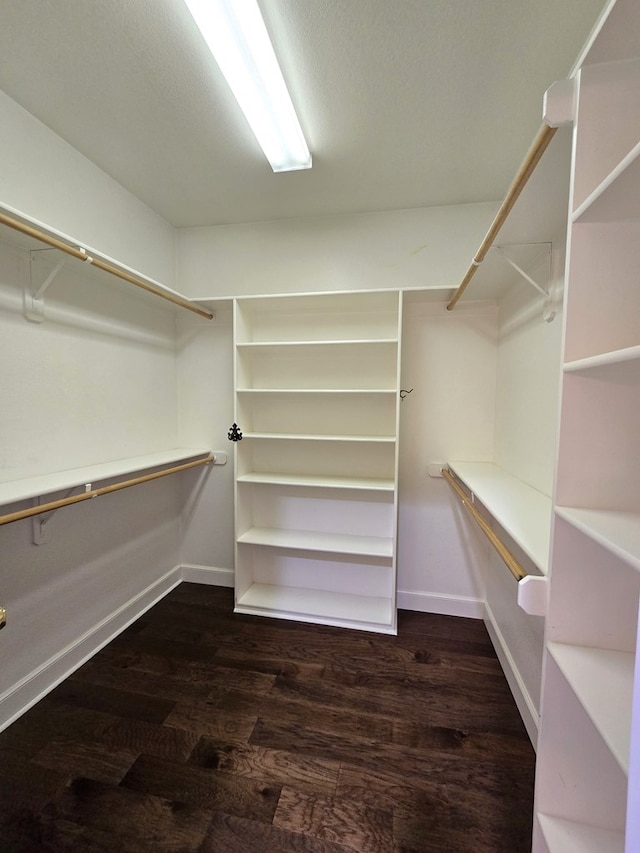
234,433
404,392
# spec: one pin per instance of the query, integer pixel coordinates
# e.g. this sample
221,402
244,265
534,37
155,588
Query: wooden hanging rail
83,255
512,564
538,147
104,490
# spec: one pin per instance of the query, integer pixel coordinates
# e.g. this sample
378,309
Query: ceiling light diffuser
237,37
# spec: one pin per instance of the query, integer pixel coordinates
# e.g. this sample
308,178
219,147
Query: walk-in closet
313,475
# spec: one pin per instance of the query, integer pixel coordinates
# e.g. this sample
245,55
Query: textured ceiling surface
405,103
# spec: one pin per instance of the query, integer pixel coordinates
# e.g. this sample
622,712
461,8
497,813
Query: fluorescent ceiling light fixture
237,37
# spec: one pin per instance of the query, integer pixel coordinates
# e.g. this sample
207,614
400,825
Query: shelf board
618,532
603,682
622,365
330,543
313,481
522,511
369,439
313,343
318,391
616,198
33,487
566,836
322,605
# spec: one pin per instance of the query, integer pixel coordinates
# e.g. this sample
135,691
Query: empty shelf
31,487
566,836
334,543
331,607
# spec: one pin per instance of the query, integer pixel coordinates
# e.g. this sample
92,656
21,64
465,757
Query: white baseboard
208,575
449,605
33,687
526,705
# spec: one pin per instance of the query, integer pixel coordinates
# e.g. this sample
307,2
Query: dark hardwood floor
201,730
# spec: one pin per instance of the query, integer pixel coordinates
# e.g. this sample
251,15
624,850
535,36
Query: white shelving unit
587,743
316,470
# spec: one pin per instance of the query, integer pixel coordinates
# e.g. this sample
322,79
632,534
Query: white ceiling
405,103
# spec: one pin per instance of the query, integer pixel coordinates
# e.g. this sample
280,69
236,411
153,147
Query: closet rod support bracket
32,296
40,523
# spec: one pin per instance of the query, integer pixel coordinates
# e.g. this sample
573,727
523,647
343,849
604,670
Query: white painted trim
526,706
33,687
449,605
209,575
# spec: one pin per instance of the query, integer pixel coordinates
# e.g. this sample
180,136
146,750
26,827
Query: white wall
206,406
528,380
527,400
96,381
45,178
449,360
426,247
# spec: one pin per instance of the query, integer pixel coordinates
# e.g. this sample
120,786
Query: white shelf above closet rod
50,506
72,248
532,589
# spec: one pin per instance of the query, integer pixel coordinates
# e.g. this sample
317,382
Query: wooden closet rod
82,255
538,147
512,564
104,490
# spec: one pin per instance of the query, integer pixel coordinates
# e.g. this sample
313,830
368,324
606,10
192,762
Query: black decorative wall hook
403,393
234,433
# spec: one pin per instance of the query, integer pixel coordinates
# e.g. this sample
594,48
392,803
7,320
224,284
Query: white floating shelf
618,532
384,439
312,343
603,682
306,540
522,511
323,606
364,484
318,391
566,836
32,487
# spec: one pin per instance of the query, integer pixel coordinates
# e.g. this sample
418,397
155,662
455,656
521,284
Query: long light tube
237,37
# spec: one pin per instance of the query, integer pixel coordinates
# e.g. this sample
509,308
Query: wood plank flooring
200,730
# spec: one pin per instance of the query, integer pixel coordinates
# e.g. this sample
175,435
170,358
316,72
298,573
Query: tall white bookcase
316,380
586,791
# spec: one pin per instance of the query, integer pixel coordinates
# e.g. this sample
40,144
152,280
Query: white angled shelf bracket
40,522
32,294
549,311
542,290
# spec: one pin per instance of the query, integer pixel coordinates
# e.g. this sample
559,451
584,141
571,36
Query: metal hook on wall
404,392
